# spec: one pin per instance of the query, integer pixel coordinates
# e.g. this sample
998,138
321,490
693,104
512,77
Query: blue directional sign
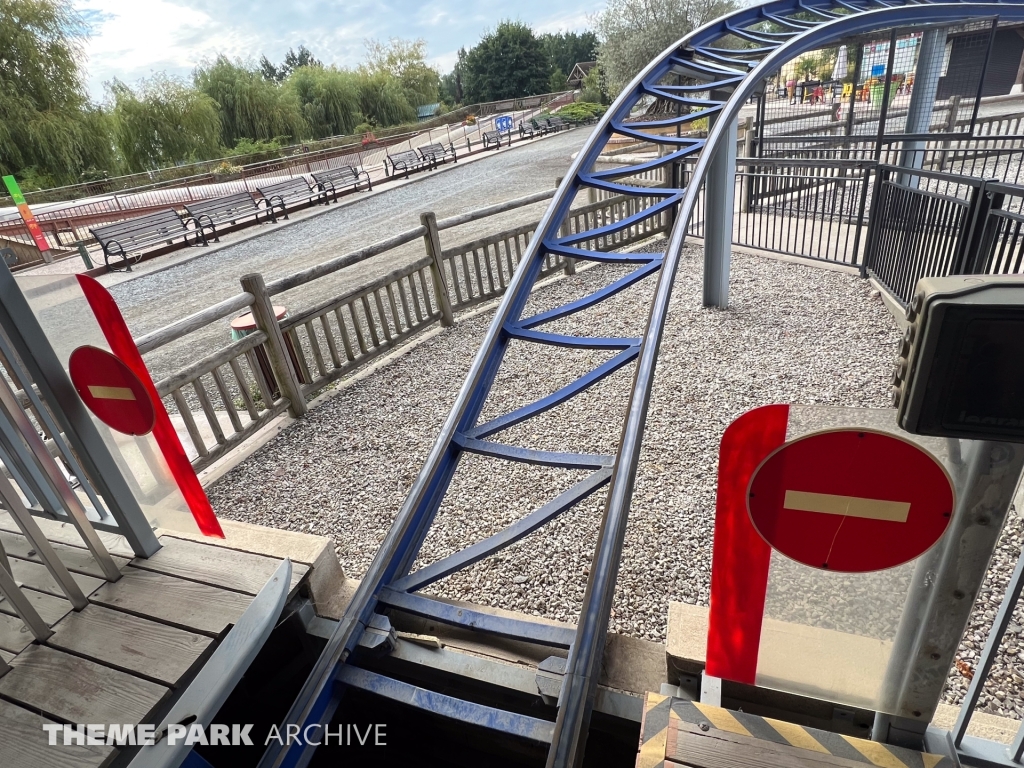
503,123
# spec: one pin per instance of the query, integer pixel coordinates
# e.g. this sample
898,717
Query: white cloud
132,39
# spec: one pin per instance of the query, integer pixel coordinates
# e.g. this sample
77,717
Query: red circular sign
111,391
850,500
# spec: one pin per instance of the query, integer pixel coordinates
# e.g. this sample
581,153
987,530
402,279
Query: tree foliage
163,121
292,60
635,31
250,106
405,61
566,49
47,128
329,100
507,63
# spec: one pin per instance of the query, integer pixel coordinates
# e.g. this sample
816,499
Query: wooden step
24,744
75,559
77,690
130,643
216,566
181,603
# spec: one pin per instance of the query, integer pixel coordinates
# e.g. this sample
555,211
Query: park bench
438,153
542,129
124,241
556,124
526,131
281,194
493,138
406,162
207,214
328,181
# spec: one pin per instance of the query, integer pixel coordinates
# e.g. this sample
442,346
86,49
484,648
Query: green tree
557,81
382,100
161,122
329,99
48,130
250,106
507,63
451,84
405,61
565,49
635,31
590,90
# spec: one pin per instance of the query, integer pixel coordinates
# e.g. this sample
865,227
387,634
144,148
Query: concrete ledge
326,578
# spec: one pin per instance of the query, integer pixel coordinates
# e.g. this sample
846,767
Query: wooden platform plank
24,744
181,603
130,643
77,690
66,533
52,609
14,635
35,576
6,655
217,566
76,559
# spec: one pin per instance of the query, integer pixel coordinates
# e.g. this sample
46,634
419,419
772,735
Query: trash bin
245,324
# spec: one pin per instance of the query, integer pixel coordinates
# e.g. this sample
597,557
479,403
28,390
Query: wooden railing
226,397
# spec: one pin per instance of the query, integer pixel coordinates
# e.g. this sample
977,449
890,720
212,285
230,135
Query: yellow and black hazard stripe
660,710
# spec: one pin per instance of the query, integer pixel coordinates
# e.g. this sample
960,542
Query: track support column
922,98
719,194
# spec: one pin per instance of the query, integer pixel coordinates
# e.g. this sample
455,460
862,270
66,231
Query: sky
131,39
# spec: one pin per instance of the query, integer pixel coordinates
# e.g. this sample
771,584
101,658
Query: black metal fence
928,224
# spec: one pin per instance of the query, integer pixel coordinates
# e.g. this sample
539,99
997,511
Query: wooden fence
228,396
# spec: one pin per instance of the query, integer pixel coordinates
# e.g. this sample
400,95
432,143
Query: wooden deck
124,656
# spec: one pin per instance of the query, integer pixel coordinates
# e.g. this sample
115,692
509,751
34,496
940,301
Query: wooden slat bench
493,139
438,154
280,195
207,214
330,180
406,162
124,241
556,124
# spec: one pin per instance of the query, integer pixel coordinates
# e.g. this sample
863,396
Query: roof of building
427,110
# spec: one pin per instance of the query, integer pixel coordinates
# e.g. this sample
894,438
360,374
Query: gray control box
960,371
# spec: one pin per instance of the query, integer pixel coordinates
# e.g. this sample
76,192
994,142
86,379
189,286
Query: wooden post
266,321
432,243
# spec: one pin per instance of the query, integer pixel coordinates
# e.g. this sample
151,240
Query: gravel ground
793,334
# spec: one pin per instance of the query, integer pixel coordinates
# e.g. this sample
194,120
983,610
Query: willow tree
382,100
250,106
49,133
163,121
406,62
329,98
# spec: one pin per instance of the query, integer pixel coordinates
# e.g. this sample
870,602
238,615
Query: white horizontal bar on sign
849,506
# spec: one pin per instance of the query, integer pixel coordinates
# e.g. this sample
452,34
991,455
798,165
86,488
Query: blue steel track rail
719,81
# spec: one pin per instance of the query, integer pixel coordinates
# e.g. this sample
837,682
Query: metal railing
927,224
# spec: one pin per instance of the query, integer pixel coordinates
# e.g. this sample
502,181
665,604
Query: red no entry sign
111,391
850,500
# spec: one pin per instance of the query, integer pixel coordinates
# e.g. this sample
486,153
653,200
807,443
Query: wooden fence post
432,243
266,321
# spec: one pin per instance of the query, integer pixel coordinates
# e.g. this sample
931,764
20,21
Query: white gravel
793,334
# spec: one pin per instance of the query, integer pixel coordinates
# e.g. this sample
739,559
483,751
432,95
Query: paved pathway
158,294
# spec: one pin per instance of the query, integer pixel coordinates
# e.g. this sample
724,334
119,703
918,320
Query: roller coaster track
719,77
